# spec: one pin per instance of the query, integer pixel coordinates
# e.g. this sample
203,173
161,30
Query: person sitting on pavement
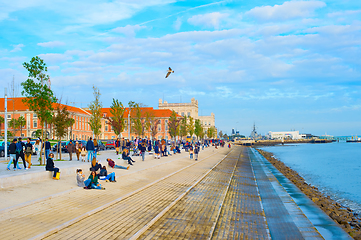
80,179
112,164
50,165
95,166
105,176
125,156
94,184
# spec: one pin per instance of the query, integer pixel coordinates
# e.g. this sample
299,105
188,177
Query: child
191,153
80,177
83,154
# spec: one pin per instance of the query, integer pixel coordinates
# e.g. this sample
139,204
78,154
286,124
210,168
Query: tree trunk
41,151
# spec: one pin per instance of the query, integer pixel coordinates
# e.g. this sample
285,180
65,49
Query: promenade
227,194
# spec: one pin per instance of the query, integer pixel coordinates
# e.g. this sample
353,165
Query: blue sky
281,64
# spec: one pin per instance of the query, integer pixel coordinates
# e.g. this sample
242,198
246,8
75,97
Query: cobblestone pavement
227,194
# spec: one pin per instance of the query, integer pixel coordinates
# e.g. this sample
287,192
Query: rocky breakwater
349,220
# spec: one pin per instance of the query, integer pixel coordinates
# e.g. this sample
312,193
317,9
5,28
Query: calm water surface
335,168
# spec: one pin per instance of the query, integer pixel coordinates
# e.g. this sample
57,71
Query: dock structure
226,194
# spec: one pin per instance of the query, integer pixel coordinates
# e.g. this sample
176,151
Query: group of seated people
97,172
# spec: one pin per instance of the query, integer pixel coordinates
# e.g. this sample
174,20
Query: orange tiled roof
20,106
158,113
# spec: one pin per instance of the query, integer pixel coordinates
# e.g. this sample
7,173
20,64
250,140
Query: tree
190,126
211,131
154,126
2,120
20,123
198,129
96,113
183,127
117,119
220,134
38,96
173,124
61,122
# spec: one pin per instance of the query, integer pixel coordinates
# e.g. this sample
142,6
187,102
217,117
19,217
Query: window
35,124
189,114
159,128
182,114
9,116
35,115
106,128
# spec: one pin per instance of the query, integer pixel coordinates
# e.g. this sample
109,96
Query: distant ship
354,139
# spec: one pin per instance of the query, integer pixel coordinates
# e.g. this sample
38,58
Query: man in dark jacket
20,151
13,159
90,148
196,152
71,149
47,148
142,147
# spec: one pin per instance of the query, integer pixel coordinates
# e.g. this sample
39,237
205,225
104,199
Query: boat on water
354,139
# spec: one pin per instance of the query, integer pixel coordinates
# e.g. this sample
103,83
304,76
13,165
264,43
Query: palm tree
12,124
20,123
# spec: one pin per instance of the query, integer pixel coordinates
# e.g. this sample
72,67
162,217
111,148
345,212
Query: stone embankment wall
349,220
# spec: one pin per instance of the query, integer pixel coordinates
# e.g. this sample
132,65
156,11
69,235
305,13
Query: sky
283,65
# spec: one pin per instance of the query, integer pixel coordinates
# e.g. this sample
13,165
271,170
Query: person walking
12,149
47,148
83,154
196,152
90,149
71,149
50,165
77,149
117,146
37,146
28,152
20,151
142,148
124,144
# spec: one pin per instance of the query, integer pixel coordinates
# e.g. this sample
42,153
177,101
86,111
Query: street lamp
6,125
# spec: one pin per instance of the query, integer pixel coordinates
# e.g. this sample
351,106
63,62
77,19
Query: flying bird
169,72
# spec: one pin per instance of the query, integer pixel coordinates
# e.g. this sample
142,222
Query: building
80,129
292,135
190,110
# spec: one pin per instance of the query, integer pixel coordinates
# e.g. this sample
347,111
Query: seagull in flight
169,72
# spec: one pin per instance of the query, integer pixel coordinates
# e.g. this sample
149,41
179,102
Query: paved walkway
227,194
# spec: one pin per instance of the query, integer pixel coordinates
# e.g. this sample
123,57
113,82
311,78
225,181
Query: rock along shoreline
349,220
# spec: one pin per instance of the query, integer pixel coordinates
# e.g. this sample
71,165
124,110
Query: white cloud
128,30
288,10
17,47
208,20
51,44
177,24
54,57
343,13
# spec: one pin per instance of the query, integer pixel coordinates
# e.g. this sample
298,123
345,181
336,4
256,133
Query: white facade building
294,135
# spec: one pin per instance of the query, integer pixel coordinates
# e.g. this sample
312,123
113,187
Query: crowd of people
139,147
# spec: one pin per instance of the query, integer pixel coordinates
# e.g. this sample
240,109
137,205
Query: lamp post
129,124
6,125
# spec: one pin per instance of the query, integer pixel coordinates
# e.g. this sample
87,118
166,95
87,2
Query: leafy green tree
38,96
117,119
20,124
211,132
190,126
61,121
198,129
173,124
95,108
2,120
183,127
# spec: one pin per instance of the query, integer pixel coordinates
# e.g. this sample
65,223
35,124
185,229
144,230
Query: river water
334,168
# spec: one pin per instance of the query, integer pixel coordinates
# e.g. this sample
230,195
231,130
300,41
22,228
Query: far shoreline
349,220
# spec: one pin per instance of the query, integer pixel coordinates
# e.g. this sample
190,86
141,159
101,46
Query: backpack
19,147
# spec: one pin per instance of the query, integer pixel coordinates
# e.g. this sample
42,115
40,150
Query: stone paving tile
242,215
194,216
